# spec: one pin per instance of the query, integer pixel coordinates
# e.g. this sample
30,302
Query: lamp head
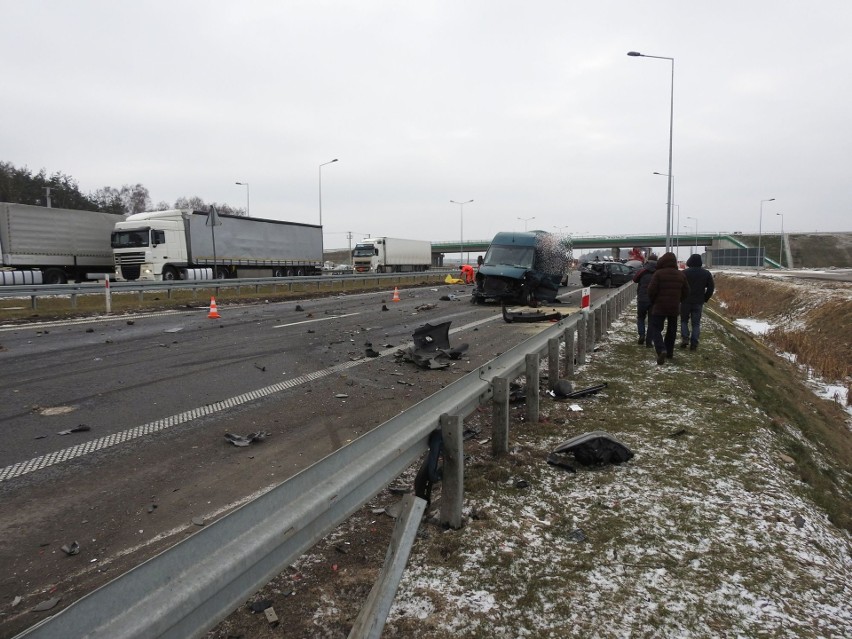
634,53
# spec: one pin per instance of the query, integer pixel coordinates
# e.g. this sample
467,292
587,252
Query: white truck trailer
185,244
391,255
52,246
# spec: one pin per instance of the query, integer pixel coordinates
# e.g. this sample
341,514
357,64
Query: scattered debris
385,307
517,393
260,368
583,392
260,605
595,449
522,483
82,428
341,395
199,521
470,433
560,461
576,408
90,330
452,297
677,433
46,605
394,510
425,307
562,389
71,549
799,521
577,535
398,489
271,617
431,347
174,330
535,316
371,353
16,600
130,322
298,308
239,440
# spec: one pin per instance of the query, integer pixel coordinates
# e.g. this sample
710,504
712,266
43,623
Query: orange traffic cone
395,294
214,312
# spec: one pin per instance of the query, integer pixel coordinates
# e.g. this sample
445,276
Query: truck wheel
221,273
55,276
170,274
278,272
300,272
380,269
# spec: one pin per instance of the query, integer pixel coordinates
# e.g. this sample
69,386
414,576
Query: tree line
22,186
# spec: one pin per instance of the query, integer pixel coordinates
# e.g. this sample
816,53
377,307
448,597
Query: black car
605,273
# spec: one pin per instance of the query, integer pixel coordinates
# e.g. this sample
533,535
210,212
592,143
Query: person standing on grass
668,288
642,277
701,289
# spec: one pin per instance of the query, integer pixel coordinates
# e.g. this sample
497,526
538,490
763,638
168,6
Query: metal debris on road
82,428
594,449
71,549
240,440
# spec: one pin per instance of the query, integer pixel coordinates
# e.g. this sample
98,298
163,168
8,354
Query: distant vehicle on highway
605,273
391,255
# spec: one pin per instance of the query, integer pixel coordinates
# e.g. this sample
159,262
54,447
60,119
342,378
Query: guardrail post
141,295
598,330
452,481
552,362
582,336
591,327
371,620
532,362
74,301
500,415
610,312
569,353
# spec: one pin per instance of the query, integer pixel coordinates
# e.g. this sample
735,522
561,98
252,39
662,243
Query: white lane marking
67,454
316,319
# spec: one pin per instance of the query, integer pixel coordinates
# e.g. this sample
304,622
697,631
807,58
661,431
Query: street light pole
246,184
461,227
695,219
760,231
671,131
781,248
525,220
320,187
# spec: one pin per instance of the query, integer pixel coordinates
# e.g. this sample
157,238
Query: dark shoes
641,340
693,347
661,357
684,342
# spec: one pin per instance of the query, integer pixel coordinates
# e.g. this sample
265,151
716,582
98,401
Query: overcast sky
531,109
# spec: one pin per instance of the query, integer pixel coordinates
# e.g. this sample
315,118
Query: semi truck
43,245
524,268
391,255
187,244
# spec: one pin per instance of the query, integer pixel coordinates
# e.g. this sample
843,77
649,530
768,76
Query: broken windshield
130,239
520,256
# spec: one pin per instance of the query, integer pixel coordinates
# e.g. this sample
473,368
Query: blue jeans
664,345
690,314
642,309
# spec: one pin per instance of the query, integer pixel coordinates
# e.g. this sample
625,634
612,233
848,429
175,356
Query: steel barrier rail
33,291
187,589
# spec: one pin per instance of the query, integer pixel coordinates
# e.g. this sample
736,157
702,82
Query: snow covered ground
706,532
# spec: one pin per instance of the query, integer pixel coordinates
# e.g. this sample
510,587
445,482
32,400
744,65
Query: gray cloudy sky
530,108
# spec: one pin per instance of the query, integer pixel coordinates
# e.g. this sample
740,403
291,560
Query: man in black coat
667,290
701,289
642,277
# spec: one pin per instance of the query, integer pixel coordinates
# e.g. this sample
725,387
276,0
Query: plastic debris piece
46,605
199,521
271,617
82,428
394,510
341,395
559,461
260,605
577,535
71,549
16,601
240,440
595,449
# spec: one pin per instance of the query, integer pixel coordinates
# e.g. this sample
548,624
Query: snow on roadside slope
703,533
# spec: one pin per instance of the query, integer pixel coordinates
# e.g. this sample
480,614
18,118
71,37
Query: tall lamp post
246,184
694,219
461,227
675,227
320,187
525,220
671,130
760,231
781,248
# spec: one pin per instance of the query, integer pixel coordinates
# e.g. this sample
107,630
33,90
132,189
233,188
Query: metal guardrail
187,589
34,291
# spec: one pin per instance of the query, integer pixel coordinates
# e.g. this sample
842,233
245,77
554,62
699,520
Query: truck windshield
130,239
521,256
365,251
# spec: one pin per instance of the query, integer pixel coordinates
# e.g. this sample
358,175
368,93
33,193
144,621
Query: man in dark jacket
701,289
668,288
643,303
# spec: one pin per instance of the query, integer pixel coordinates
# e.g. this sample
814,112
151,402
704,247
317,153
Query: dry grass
817,332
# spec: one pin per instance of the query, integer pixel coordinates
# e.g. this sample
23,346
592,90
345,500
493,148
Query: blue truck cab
522,268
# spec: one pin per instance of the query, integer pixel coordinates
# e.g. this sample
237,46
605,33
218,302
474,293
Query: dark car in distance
605,273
